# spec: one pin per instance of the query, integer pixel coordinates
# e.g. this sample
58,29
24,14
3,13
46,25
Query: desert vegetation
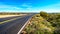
43,23
10,14
7,13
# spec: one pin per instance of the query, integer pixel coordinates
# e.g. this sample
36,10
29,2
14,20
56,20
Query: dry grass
4,16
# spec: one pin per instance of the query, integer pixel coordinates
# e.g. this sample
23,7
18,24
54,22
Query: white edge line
23,26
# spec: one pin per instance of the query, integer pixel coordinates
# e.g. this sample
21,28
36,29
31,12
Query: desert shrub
44,23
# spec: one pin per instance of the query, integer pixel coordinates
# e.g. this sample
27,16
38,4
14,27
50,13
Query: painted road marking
24,25
9,20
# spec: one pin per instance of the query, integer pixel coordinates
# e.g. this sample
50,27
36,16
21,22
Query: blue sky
29,5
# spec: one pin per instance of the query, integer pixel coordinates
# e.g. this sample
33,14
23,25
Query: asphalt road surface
14,26
8,18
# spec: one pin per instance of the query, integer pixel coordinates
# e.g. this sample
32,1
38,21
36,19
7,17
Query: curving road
14,26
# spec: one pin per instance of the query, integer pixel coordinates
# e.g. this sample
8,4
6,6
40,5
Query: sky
30,6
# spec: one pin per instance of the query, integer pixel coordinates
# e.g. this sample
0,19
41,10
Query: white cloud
8,8
27,6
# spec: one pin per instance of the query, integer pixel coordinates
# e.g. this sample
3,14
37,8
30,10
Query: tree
44,14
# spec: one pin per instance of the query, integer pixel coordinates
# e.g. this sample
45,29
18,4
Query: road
8,18
14,26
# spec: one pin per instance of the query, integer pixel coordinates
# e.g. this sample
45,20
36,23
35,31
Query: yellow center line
9,20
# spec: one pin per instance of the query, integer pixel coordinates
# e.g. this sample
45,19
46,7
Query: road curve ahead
14,26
